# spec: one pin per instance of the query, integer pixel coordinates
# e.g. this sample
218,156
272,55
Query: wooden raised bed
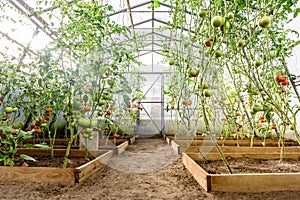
52,174
260,182
247,182
130,139
198,140
116,149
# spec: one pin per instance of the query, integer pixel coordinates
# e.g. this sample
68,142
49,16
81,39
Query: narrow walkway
144,156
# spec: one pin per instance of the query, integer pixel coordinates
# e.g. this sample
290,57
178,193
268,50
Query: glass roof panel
16,25
141,14
40,41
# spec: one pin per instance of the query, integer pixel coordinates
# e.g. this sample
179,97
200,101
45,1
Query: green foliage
9,141
242,42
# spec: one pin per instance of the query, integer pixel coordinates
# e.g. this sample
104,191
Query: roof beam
13,40
29,9
132,25
132,7
51,8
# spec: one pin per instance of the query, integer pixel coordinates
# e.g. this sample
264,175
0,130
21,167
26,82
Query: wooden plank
175,147
86,170
108,148
168,140
122,147
226,149
257,142
262,182
199,173
264,156
183,144
265,182
132,140
37,174
57,152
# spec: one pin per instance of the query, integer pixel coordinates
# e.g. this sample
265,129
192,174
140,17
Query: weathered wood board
51,174
260,182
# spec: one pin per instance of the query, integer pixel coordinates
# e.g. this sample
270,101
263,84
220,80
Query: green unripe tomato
230,15
43,125
264,22
217,21
204,85
8,109
172,62
94,123
193,39
102,102
203,13
193,73
207,93
241,43
292,127
256,108
259,62
89,130
225,26
219,53
84,122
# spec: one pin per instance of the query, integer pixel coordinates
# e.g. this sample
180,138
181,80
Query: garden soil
135,176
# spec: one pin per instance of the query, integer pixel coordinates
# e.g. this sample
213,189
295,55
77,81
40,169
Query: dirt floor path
167,181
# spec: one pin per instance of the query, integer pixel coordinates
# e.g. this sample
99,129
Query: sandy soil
247,165
170,182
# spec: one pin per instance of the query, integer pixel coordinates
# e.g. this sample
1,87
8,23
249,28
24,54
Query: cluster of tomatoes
41,122
280,79
134,106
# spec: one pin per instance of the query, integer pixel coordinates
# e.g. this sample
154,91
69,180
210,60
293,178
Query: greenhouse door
152,116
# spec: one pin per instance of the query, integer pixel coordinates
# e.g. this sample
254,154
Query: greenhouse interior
149,99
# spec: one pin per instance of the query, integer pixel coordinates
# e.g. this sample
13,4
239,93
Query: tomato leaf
26,157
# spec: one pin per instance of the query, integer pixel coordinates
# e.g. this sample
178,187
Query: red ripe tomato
278,78
86,108
273,126
47,118
48,110
208,43
4,117
284,81
108,112
223,119
38,131
116,136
